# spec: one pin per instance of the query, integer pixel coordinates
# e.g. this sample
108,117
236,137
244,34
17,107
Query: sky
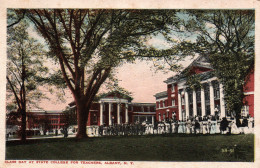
140,78
137,78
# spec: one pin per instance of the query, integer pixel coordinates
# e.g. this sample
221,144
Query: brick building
109,109
183,102
116,108
45,120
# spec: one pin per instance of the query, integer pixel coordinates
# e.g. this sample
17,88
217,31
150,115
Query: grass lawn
138,148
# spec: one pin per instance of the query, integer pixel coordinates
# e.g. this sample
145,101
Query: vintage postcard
129,83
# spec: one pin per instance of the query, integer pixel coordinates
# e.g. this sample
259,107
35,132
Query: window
245,111
95,118
207,109
104,106
198,96
191,112
104,117
190,96
182,101
173,102
216,91
112,107
163,103
207,93
199,111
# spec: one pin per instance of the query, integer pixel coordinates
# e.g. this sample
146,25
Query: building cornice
161,95
113,100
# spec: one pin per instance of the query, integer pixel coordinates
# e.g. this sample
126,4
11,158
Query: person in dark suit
245,122
223,125
101,130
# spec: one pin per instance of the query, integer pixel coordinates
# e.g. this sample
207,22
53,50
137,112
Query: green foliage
89,44
117,94
193,81
233,74
14,18
25,69
69,117
226,37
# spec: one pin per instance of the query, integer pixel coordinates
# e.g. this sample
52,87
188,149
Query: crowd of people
192,125
123,129
208,125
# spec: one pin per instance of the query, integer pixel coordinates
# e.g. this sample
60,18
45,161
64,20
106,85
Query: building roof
161,95
201,61
45,111
115,94
143,104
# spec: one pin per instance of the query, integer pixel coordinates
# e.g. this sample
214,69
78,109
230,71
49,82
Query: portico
206,100
121,107
196,91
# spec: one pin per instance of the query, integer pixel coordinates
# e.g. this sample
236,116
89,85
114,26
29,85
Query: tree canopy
226,38
89,43
24,71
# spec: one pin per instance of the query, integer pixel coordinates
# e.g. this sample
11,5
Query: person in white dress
201,127
213,127
204,127
173,127
188,126
217,126
193,126
180,129
234,129
208,125
250,124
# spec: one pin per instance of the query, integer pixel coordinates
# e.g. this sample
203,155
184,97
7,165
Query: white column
179,106
126,113
222,101
101,113
194,102
211,98
153,120
186,96
118,113
109,113
203,110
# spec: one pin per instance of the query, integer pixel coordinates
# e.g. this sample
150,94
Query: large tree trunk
82,115
23,125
